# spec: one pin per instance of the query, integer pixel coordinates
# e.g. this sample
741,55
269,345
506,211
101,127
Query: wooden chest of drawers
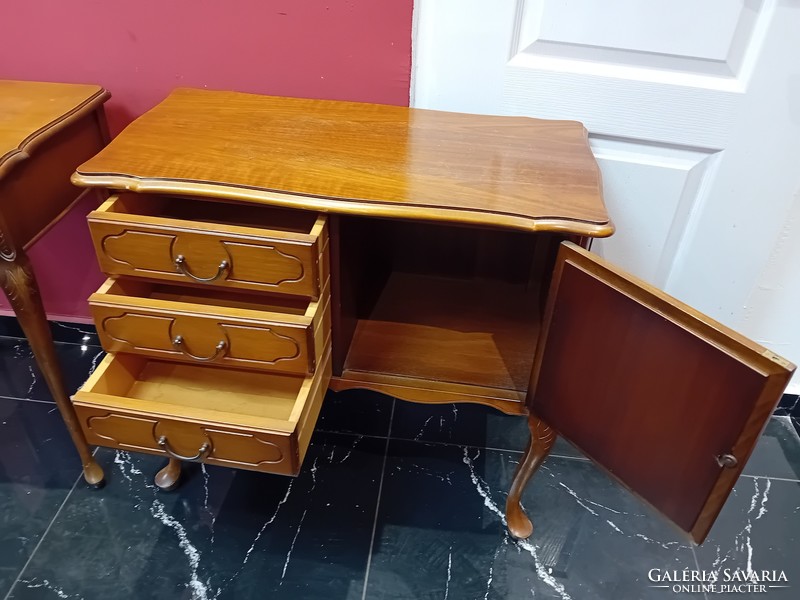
285,246
217,318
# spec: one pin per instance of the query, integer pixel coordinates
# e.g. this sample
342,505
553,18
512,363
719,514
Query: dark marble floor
395,501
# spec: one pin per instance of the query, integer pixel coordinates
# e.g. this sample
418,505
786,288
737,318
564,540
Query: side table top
358,158
30,112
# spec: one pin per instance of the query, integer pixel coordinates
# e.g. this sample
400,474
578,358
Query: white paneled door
693,109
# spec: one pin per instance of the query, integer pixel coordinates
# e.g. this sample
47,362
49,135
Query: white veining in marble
32,584
787,423
86,333
350,450
199,588
158,510
33,381
490,578
483,489
481,486
204,470
763,507
267,523
543,572
85,339
442,422
210,516
291,548
616,512
123,460
95,359
582,502
449,573
126,467
422,430
742,543
577,498
594,508
22,351
489,582
435,473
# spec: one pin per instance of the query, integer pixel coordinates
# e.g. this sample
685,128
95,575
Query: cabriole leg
20,287
168,478
542,439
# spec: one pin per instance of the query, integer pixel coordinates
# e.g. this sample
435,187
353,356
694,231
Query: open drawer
212,243
241,419
219,326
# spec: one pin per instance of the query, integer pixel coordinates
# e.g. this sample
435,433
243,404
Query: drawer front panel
218,416
271,453
206,338
195,256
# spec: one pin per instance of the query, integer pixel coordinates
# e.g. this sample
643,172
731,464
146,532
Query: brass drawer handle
221,350
180,264
202,452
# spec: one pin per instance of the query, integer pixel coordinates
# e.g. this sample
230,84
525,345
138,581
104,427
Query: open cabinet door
668,401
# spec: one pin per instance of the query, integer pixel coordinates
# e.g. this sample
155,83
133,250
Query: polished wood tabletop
359,158
31,111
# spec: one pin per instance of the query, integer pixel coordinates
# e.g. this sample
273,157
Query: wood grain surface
31,111
144,318
650,389
359,158
449,330
146,243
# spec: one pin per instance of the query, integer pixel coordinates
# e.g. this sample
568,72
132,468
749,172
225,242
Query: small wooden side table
427,255
46,130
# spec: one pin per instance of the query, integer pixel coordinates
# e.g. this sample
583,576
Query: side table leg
542,440
20,287
168,478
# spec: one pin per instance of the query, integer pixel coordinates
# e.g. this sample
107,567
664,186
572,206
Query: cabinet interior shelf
474,332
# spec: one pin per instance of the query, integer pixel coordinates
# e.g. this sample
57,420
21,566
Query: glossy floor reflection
395,501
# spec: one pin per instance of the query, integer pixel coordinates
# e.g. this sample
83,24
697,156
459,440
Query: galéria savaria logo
723,581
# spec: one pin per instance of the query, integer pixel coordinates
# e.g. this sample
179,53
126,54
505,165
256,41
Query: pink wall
141,49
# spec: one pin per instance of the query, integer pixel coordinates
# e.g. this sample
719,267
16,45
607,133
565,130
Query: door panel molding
653,190
715,38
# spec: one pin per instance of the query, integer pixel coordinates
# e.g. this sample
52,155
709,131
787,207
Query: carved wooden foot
168,478
542,440
93,475
20,287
